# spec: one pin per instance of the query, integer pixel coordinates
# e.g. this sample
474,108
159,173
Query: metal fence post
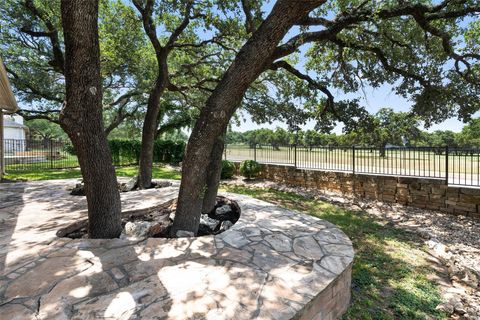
446,165
353,159
295,156
51,154
254,152
225,151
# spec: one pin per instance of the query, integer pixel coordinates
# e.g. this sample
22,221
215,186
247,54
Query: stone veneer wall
332,302
416,192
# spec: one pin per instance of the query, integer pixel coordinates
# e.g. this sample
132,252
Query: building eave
7,99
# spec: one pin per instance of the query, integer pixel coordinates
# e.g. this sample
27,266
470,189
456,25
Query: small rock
129,185
223,211
171,216
162,184
446,307
211,223
78,190
460,309
156,229
137,229
227,224
184,234
439,249
470,278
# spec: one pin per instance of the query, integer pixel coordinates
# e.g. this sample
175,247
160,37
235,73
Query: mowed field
462,168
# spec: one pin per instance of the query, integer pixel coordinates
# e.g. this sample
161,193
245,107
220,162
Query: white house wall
14,133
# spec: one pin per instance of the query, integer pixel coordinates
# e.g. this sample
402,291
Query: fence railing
456,166
32,155
48,154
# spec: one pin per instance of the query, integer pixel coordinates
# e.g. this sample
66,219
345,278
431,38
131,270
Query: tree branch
249,21
58,61
174,123
360,14
383,60
33,90
312,83
181,27
33,115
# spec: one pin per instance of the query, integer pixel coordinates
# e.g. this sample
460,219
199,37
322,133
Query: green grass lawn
391,269
159,172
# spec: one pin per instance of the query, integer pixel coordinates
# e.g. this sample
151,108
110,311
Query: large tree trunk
255,57
82,119
214,172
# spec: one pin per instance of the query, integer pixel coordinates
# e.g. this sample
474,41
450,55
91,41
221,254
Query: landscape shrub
249,169
168,151
68,147
228,169
126,152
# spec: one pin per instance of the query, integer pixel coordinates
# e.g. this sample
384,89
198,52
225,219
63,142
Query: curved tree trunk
254,57
82,118
149,130
214,172
150,125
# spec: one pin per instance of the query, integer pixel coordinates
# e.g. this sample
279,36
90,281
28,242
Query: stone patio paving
272,264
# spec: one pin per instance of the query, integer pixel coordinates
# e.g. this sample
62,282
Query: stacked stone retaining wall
416,192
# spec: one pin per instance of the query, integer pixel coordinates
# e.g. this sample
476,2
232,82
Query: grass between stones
392,273
159,172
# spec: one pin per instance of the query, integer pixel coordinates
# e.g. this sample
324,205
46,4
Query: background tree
389,127
469,137
44,129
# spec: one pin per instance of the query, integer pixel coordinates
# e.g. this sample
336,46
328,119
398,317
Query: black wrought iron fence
38,155
457,166
32,155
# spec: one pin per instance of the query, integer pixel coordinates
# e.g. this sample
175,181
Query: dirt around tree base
156,222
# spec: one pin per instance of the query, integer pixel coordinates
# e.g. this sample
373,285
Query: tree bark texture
150,126
81,117
254,57
214,172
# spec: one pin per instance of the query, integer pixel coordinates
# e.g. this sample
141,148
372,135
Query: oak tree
409,45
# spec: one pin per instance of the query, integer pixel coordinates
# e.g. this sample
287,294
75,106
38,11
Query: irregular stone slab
59,301
234,238
44,276
269,260
14,311
307,247
279,242
335,264
122,303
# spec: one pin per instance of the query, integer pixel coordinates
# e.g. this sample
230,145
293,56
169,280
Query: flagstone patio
272,264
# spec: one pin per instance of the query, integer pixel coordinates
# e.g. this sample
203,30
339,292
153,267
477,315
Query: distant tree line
468,137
